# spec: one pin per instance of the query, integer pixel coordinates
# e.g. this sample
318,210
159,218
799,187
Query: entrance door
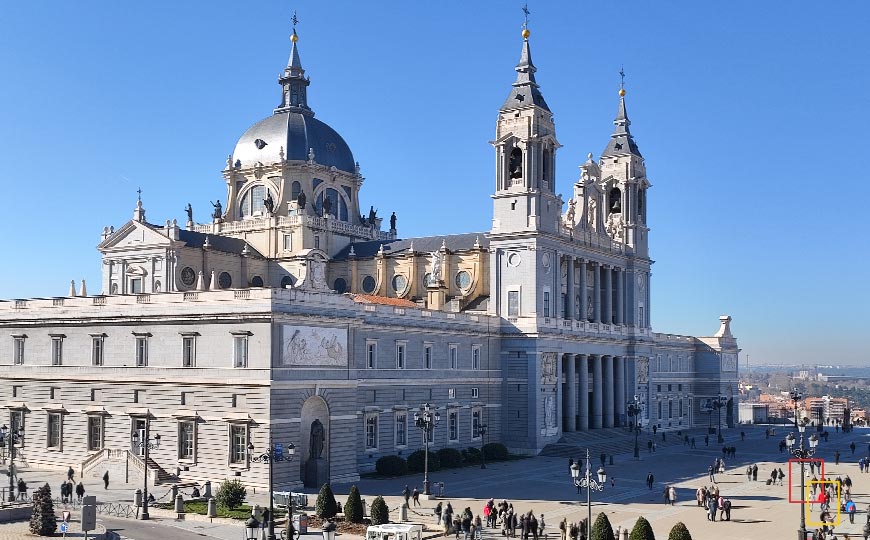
139,429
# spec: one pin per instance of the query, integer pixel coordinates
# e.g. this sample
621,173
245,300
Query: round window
340,286
188,276
399,283
463,280
514,259
256,281
225,280
368,284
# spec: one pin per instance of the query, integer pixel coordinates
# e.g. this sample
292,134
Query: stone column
620,296
607,389
597,386
619,382
583,392
607,303
584,306
569,290
596,294
571,391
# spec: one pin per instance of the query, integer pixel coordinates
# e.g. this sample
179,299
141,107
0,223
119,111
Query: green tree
601,529
380,512
679,532
326,507
353,508
231,494
43,521
642,530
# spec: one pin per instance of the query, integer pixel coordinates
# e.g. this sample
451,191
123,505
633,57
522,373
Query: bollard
625,534
174,491
212,507
206,489
403,513
137,499
179,504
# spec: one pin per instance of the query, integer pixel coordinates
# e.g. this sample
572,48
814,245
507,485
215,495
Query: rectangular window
453,425
453,352
16,421
371,353
54,393
136,286
97,350
371,431
188,351
451,393
316,242
660,410
475,392
57,350
288,242
401,428
546,303
16,390
427,355
54,430
95,432
670,386
400,355
18,350
238,444
680,387
658,388
141,351
475,357
513,303
96,395
475,423
186,439
240,351
138,396
640,317
670,409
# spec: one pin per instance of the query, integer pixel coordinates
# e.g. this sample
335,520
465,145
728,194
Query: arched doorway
314,432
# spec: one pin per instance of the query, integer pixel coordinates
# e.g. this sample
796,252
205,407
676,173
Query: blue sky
752,118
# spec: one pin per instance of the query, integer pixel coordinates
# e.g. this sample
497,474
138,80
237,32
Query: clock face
188,276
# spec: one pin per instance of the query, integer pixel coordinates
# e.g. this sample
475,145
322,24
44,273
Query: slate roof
525,90
621,142
227,244
426,244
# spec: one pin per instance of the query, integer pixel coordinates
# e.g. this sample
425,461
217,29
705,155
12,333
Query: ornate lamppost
802,453
146,444
719,403
481,432
426,418
633,410
10,438
274,453
588,481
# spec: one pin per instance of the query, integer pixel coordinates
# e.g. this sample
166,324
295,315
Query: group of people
412,495
718,466
495,515
713,502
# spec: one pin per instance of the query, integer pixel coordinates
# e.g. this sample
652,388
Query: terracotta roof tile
382,300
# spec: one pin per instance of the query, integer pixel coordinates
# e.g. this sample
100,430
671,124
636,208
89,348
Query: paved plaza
544,486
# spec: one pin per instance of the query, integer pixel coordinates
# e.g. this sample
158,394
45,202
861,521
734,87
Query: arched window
640,204
546,168
340,285
295,189
252,201
286,281
256,281
337,206
515,164
614,203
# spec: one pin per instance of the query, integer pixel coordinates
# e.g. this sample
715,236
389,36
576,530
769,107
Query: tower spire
525,90
294,82
621,141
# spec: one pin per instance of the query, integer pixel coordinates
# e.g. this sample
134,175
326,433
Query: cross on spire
139,191
526,15
621,78
294,20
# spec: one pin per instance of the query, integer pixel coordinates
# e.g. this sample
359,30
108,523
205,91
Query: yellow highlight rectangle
809,501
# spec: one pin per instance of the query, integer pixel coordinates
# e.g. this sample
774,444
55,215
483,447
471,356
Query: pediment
133,235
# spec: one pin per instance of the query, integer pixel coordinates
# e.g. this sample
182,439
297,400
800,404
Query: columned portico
619,381
584,306
570,303
607,389
620,284
596,294
583,390
597,398
571,393
607,303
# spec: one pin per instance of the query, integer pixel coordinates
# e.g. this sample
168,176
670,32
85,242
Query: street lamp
146,444
481,432
10,438
633,410
801,453
426,419
588,481
252,526
274,453
719,403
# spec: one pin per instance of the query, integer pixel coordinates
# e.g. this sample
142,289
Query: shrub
43,521
495,451
230,494
471,455
353,508
380,512
449,458
601,529
679,532
326,507
415,461
391,466
642,530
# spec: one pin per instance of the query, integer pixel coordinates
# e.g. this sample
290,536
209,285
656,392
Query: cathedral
295,316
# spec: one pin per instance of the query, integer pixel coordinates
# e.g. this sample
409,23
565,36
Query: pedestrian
749,473
706,440
563,528
755,473
80,491
727,505
780,475
693,442
711,514
710,470
852,447
457,527
533,525
70,473
861,465
63,487
649,480
524,527
742,435
672,495
649,446
22,489
574,531
837,457
406,493
106,480
477,528
667,494
415,496
850,509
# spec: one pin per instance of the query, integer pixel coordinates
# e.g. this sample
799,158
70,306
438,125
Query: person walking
563,529
852,447
406,493
727,506
533,525
415,496
672,495
780,476
649,480
755,473
106,480
693,442
850,509
710,471
667,494
22,489
837,457
437,511
541,525
712,507
70,473
80,491
654,444
749,473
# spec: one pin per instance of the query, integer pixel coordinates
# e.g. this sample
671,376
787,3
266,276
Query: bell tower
525,148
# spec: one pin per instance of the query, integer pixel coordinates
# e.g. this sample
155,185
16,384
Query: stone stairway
126,465
160,475
615,441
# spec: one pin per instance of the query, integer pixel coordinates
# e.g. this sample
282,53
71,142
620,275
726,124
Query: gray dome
296,132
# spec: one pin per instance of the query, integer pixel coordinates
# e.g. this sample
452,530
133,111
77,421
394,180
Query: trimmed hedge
231,494
326,507
449,458
495,451
642,530
416,461
380,512
679,532
391,466
353,508
601,529
471,455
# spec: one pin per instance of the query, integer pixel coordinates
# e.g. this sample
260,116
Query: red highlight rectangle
820,463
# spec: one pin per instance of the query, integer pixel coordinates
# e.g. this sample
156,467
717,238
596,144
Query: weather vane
526,15
621,77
